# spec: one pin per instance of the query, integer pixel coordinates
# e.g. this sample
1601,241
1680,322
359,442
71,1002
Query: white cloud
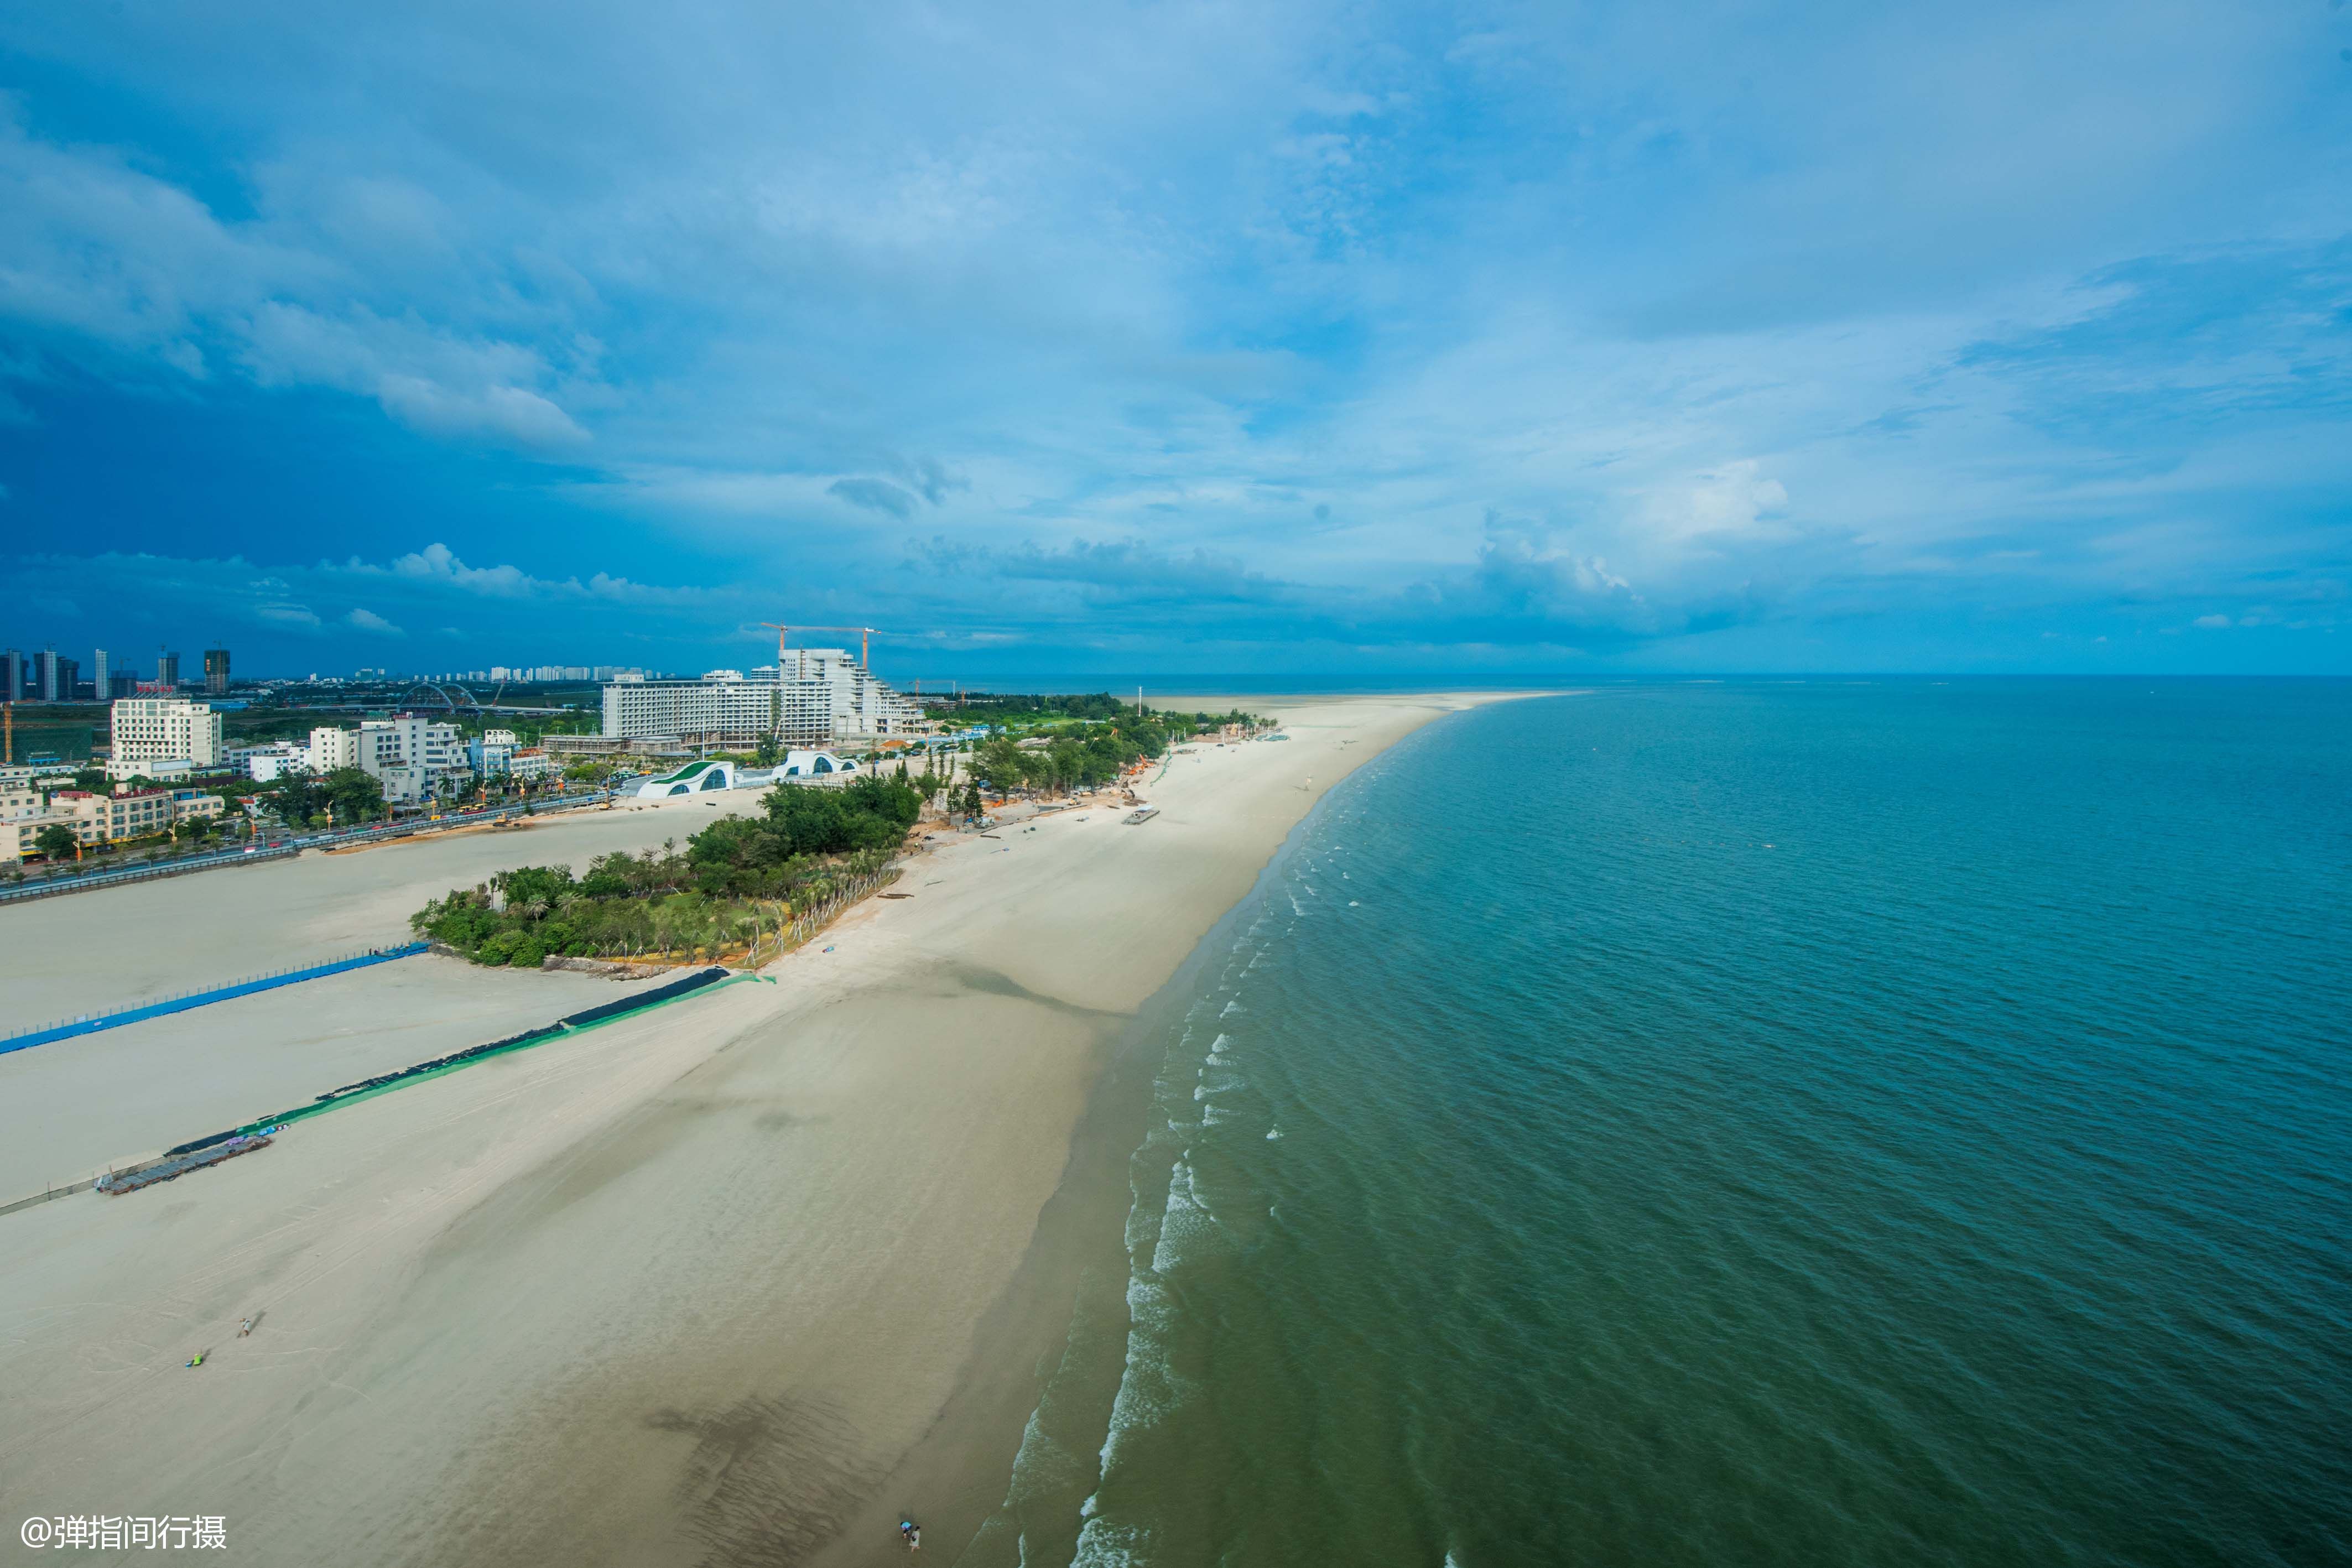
522,417
362,620
1193,274
97,247
2211,622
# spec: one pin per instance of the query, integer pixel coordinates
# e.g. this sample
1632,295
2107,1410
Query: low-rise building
155,771
19,837
270,766
492,752
264,763
402,785
530,763
815,765
97,819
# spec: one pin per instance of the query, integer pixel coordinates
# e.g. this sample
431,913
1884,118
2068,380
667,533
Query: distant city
49,676
46,675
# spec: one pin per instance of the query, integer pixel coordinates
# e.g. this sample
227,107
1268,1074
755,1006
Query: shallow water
1824,1122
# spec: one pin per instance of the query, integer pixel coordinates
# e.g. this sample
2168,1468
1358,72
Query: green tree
356,794
56,841
296,796
998,763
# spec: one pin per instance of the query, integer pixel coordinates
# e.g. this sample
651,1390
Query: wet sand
723,1283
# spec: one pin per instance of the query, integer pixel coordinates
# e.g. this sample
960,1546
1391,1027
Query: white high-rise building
820,695
160,729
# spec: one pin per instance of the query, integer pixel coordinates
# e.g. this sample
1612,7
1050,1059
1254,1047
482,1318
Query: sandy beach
709,1285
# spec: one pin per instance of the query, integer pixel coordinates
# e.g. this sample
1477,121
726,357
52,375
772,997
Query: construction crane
864,636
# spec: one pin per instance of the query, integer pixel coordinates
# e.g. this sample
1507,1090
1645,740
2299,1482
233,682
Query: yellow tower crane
865,641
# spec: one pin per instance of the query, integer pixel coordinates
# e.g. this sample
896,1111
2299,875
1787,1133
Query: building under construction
814,696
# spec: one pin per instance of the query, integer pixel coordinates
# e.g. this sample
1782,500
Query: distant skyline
1349,341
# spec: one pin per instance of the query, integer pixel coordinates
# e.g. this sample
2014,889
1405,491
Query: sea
1818,1123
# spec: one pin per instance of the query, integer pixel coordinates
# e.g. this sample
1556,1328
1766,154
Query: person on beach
907,1533
246,1329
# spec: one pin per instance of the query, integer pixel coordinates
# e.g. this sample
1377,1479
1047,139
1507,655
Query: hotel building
818,696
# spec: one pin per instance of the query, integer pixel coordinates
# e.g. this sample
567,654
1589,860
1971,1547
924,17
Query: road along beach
689,1288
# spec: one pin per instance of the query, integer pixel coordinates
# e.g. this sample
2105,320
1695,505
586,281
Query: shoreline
968,1457
1027,1338
721,1284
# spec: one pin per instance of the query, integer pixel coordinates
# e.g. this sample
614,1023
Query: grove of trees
736,881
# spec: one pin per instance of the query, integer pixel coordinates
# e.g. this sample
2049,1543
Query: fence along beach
692,1285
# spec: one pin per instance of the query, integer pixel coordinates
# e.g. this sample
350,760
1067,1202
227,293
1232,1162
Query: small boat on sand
1140,814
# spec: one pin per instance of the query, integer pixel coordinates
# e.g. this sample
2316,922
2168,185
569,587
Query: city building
570,746
101,672
135,814
819,695
154,729
531,762
167,672
11,676
155,770
407,757
330,748
492,752
18,837
54,676
216,671
267,764
437,748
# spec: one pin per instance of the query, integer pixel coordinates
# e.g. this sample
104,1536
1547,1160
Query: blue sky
1167,339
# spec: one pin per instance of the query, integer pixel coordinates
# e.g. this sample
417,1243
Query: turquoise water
1780,1124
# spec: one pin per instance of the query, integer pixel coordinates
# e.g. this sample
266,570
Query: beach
722,1282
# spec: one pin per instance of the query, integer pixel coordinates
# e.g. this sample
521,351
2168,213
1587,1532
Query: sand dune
687,1288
